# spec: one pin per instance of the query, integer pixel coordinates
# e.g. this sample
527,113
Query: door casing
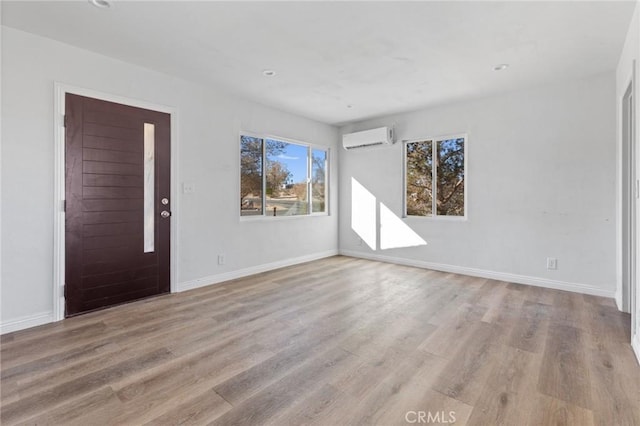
629,214
60,90
628,206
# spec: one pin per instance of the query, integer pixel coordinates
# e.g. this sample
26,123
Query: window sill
439,218
263,218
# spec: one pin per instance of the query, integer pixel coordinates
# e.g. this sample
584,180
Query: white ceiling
379,57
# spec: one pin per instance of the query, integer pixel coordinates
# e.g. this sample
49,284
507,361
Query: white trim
269,136
1,116
482,273
263,218
626,302
634,293
252,270
439,218
26,322
618,298
58,200
60,90
635,344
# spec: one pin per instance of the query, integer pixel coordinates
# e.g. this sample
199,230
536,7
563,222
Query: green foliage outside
448,161
251,167
280,191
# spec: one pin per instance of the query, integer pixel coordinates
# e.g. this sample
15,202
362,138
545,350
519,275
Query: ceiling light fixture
501,67
268,73
101,4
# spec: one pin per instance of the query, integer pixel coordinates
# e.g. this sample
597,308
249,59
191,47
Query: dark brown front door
117,204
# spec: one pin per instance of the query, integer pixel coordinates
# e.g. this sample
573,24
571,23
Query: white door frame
634,293
629,205
60,91
628,220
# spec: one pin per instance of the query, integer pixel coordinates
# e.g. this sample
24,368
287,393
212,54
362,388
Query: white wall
541,183
630,54
208,156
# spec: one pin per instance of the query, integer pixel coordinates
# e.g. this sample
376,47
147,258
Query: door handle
165,214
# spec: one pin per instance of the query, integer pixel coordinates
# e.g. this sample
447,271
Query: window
280,178
440,161
318,180
251,176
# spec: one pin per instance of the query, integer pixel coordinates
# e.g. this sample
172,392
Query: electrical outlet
188,188
552,263
221,259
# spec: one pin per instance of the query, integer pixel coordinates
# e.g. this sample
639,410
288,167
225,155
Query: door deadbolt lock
165,214
164,201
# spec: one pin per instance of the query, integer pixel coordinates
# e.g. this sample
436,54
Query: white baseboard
240,273
500,276
26,322
47,317
635,344
618,298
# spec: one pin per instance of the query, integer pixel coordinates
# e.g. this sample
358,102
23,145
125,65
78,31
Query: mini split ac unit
379,136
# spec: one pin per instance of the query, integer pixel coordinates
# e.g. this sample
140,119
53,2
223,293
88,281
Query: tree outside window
288,179
442,162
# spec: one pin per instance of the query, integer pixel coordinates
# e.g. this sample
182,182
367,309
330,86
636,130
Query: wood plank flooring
339,341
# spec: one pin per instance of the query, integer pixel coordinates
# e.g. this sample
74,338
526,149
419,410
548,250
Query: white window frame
310,148
434,140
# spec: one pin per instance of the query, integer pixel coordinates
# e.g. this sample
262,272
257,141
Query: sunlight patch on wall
394,233
363,213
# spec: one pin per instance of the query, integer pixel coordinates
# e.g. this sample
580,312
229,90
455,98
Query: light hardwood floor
332,342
